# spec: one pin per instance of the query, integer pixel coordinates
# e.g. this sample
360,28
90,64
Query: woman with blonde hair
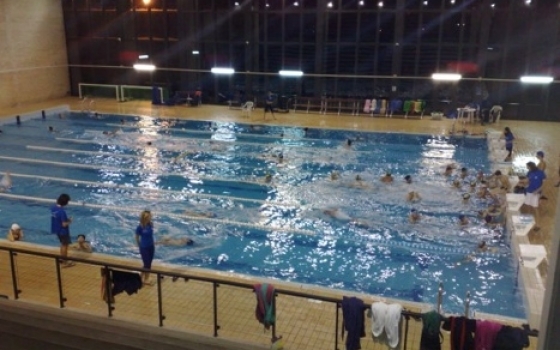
145,241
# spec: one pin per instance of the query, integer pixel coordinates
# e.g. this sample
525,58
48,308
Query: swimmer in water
6,182
268,178
15,233
387,178
413,196
408,179
414,216
177,242
448,170
335,175
81,245
200,214
337,214
463,220
466,198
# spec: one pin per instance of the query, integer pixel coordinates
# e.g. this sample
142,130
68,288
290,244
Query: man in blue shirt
535,178
60,223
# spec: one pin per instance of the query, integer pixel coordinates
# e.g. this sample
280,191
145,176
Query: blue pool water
276,230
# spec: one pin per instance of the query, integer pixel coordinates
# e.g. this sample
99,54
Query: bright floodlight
145,67
217,70
446,76
291,73
534,79
143,57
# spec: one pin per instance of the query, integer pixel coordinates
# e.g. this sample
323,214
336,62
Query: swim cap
540,154
15,227
466,196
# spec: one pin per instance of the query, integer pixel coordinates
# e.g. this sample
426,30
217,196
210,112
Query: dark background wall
347,48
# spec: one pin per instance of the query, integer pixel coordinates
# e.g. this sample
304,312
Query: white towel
378,314
392,320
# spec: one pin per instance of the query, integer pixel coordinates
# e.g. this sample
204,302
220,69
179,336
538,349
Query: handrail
439,298
214,281
467,304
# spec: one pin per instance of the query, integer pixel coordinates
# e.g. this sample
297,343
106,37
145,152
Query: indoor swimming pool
268,201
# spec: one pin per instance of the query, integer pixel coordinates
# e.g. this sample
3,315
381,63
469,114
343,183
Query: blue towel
353,321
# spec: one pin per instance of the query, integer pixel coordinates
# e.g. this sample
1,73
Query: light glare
291,73
535,79
145,67
218,70
446,76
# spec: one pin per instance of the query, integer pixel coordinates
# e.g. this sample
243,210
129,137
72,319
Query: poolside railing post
160,300
14,275
108,291
274,324
406,321
215,300
440,297
337,306
61,297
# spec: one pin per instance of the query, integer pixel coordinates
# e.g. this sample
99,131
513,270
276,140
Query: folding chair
247,108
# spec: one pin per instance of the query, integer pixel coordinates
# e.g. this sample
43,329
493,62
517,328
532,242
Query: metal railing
215,282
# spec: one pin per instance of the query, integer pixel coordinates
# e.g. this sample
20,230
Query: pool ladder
467,302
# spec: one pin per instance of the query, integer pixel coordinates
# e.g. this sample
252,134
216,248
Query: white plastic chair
247,108
496,113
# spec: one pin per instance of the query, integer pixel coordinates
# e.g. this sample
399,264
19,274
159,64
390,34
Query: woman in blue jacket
145,241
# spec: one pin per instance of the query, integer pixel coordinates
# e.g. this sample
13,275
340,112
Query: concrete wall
33,60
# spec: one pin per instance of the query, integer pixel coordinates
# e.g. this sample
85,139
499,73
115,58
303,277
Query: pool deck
306,324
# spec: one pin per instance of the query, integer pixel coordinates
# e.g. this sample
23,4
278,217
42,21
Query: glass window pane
309,28
292,27
387,33
348,27
368,27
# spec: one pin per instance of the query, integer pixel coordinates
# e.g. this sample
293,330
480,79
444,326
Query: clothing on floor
353,321
511,338
486,332
462,330
386,318
264,311
431,334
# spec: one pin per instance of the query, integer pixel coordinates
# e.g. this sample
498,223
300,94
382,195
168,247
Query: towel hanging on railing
386,318
265,312
431,331
353,321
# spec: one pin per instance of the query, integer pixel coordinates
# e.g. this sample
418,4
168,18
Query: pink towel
486,332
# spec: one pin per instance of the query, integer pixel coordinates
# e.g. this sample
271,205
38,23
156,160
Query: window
368,27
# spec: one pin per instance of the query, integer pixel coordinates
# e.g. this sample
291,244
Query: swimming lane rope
158,190
181,216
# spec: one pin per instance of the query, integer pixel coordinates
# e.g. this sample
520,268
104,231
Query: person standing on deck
535,178
542,166
508,136
268,105
60,223
145,242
